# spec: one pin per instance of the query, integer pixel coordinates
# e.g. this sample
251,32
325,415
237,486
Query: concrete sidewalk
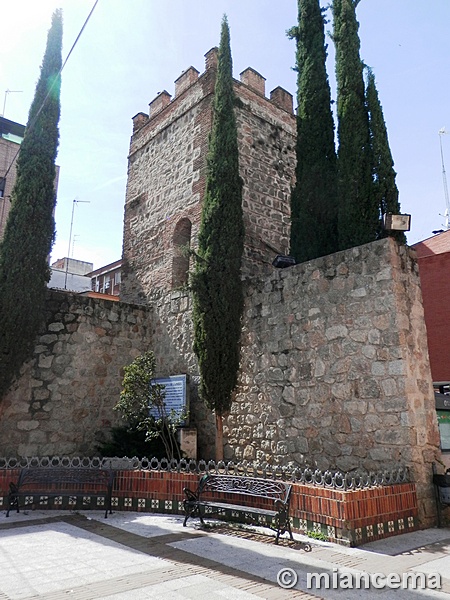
54,555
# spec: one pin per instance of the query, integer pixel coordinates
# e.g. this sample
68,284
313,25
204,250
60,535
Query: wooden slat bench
263,502
58,482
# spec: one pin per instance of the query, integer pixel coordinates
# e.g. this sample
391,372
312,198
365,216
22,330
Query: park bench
442,491
263,502
36,485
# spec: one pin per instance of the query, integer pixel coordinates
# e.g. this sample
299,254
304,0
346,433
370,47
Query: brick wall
435,280
8,152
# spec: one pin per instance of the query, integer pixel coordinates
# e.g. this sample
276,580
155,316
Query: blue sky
133,49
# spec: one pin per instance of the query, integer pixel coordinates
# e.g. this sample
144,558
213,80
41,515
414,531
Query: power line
55,81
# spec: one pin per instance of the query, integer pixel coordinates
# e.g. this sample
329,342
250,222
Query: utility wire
55,81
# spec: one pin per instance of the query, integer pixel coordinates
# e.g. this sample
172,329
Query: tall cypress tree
313,202
216,281
30,230
385,188
358,215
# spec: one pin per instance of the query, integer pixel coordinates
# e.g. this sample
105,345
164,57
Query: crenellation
159,103
185,80
212,58
282,99
139,121
254,80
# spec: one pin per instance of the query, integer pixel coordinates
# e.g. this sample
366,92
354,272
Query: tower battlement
249,77
167,177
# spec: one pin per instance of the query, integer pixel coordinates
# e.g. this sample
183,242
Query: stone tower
166,178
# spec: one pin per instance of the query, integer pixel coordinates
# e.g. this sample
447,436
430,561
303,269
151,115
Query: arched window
181,244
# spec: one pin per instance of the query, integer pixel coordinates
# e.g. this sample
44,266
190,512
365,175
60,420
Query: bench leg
108,508
191,507
13,498
282,530
283,524
289,528
191,510
185,520
200,515
188,511
12,504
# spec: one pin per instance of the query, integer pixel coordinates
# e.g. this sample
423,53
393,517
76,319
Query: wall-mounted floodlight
396,222
282,261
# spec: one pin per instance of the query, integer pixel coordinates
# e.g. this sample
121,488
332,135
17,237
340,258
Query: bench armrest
190,495
281,505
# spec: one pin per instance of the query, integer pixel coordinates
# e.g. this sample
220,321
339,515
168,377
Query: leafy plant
317,535
143,407
123,441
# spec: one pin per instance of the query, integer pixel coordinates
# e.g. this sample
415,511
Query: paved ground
81,556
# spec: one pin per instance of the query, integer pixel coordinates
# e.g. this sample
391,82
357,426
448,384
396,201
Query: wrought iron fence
357,479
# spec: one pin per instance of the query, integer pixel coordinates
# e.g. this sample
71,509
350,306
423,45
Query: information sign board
175,397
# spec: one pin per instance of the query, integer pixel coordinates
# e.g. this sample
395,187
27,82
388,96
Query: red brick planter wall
354,516
349,517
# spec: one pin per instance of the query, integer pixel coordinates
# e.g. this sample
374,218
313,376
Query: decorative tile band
355,536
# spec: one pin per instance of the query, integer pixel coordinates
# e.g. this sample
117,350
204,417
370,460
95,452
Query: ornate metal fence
357,479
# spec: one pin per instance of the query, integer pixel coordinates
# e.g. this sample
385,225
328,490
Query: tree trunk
219,437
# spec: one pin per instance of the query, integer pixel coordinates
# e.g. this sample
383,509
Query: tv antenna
75,239
442,132
76,201
6,96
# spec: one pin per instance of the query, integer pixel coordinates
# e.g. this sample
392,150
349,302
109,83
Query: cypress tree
358,215
385,188
216,281
29,232
313,202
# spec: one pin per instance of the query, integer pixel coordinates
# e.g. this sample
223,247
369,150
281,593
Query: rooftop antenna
76,201
442,132
75,239
6,96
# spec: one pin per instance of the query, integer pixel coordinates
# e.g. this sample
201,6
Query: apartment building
11,136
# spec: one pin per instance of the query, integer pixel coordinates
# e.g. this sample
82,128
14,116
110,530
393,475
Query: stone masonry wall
64,399
172,335
335,369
